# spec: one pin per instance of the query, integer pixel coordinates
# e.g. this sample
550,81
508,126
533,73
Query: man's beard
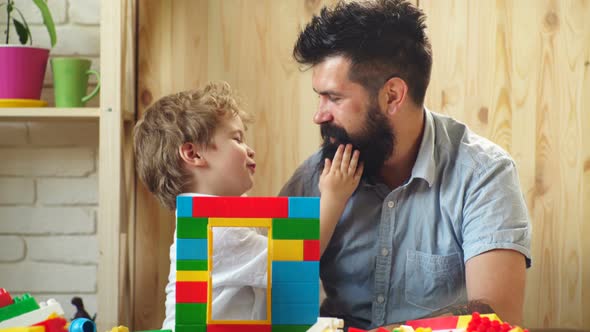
375,142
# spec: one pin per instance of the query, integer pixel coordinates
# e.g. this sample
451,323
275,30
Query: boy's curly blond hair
189,116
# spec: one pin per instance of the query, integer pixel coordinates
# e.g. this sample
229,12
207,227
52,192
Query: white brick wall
17,191
48,179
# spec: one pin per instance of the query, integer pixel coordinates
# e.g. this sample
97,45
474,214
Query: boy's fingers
327,165
346,159
359,171
337,158
353,162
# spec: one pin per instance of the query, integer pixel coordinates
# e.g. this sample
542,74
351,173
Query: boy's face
231,164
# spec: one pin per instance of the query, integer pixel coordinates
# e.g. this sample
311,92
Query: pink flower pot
22,70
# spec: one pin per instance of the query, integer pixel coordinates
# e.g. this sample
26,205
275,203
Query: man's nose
323,114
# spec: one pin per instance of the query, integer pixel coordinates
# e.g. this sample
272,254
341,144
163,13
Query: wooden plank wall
516,71
172,37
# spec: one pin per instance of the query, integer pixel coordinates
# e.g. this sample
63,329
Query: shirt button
380,299
384,252
391,204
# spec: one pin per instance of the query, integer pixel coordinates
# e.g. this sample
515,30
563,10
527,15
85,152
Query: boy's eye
238,139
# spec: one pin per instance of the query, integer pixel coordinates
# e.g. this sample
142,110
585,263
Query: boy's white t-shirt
239,275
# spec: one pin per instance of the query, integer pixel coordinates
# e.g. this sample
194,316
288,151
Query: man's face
347,113
375,141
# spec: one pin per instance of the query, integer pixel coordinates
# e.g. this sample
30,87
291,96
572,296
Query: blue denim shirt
399,255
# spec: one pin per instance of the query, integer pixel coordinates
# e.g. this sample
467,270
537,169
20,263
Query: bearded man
438,224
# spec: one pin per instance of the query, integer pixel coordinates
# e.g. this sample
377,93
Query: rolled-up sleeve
495,215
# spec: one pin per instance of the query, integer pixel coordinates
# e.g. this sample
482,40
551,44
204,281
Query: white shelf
49,113
45,113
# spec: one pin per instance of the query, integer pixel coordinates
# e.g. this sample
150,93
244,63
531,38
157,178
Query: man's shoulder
304,181
456,142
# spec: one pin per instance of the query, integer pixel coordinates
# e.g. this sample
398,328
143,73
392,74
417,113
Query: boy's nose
251,152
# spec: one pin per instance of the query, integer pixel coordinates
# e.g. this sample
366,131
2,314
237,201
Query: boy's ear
191,155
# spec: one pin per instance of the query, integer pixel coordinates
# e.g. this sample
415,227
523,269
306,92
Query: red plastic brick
191,292
438,323
311,250
5,298
239,328
240,207
56,324
354,329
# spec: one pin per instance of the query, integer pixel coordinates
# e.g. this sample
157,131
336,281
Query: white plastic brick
327,324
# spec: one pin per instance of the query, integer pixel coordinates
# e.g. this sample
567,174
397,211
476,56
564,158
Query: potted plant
22,67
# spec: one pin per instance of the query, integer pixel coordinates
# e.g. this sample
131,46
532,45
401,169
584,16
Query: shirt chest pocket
433,281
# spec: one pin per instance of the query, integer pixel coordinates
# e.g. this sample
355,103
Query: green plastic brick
295,229
155,331
191,228
21,305
190,328
191,265
191,313
290,328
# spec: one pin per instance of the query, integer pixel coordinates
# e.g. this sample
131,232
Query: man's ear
192,155
396,93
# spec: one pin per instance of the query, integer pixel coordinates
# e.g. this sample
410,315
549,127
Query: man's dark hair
382,39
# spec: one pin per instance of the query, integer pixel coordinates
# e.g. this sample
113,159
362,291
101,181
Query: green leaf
27,29
47,20
22,31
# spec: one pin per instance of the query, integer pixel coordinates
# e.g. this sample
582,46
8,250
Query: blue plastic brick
191,249
295,314
296,292
184,206
304,207
305,271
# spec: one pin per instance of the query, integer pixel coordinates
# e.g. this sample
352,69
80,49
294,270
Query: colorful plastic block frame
293,260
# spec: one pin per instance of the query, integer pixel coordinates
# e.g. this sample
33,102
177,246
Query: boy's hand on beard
341,176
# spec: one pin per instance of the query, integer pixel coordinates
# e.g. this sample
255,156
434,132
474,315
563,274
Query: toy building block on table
54,323
481,323
82,325
45,310
20,305
24,314
5,298
448,322
469,323
24,329
122,328
381,329
327,324
293,260
465,323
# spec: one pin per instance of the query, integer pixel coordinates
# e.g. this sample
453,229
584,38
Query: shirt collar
425,165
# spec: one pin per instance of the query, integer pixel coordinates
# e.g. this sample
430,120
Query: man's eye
334,99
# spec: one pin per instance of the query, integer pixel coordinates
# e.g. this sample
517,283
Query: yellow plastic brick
287,250
24,329
192,275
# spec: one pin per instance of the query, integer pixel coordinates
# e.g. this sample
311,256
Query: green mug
70,81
